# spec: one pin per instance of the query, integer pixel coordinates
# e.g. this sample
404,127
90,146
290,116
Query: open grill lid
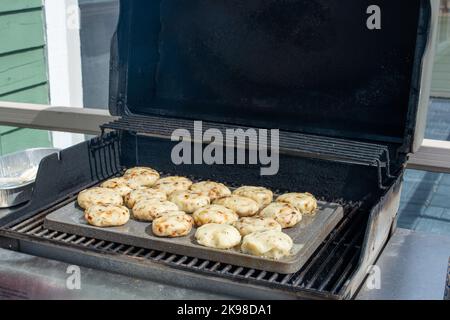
309,66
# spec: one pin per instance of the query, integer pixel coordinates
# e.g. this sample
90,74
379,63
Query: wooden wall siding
22,139
21,30
23,64
37,94
18,5
23,68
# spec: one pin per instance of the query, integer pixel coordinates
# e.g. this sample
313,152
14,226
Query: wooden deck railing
433,155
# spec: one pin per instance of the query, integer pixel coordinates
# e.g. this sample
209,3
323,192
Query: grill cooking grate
341,150
326,272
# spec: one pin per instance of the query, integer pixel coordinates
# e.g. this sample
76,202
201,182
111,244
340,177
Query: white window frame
62,21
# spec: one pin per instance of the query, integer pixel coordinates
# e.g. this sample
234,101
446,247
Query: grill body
347,125
335,271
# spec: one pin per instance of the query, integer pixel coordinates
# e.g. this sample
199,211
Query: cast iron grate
326,148
326,272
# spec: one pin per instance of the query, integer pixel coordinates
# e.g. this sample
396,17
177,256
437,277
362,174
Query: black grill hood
309,66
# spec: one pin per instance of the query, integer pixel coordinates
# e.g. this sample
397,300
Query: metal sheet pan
307,236
18,173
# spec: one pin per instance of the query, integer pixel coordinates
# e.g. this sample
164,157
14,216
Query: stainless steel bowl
15,187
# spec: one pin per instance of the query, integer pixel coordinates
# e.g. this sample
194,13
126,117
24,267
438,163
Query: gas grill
349,102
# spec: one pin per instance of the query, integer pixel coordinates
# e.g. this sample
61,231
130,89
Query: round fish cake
261,195
284,213
143,194
149,210
218,236
306,203
141,177
93,196
189,201
244,207
105,216
172,184
214,214
270,244
249,225
173,224
119,185
213,190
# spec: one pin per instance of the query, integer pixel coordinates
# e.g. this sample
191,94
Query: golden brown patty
93,196
244,207
306,203
189,201
284,213
261,195
119,185
214,214
249,225
173,225
107,215
213,190
143,194
172,184
141,177
149,210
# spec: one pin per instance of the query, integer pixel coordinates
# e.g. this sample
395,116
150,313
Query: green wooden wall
23,68
441,73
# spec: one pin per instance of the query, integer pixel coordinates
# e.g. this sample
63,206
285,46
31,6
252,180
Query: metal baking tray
18,173
307,236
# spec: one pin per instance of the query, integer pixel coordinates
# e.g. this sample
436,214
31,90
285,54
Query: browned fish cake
173,224
143,194
213,190
107,215
149,210
244,207
172,184
88,198
189,201
284,213
249,225
141,177
262,196
306,203
214,214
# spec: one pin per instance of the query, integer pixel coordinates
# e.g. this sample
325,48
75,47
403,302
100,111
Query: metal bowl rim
23,185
